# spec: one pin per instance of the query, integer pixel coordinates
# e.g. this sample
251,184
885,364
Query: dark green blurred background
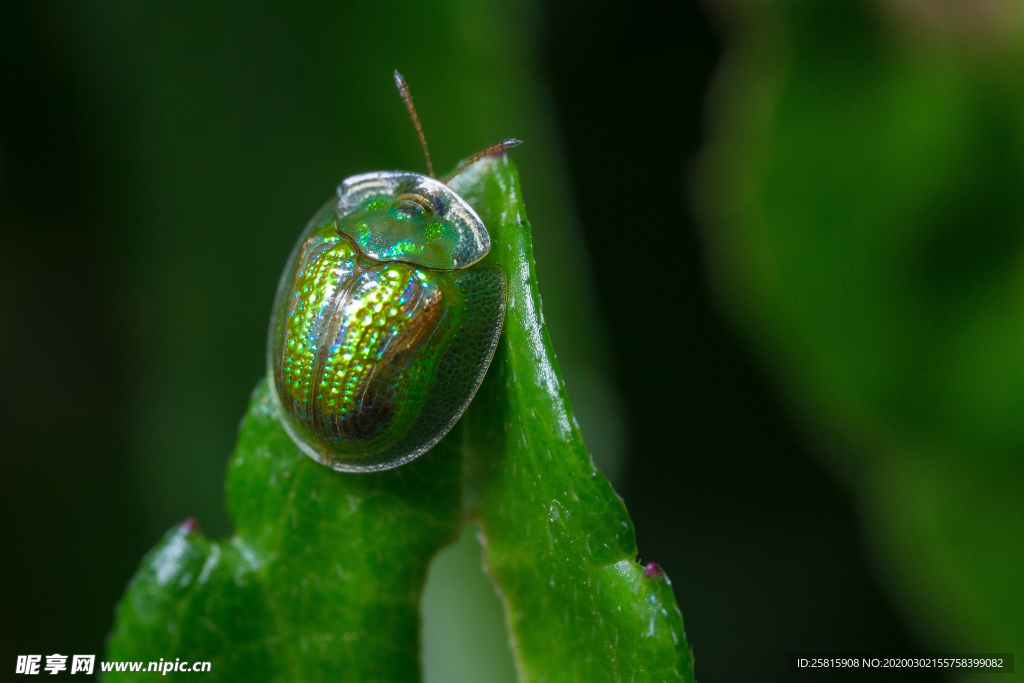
157,162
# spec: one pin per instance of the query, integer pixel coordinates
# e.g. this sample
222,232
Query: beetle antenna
407,98
499,146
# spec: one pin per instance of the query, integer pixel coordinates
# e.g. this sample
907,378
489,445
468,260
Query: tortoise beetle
384,325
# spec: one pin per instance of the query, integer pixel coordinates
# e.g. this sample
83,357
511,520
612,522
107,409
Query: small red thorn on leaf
653,571
190,525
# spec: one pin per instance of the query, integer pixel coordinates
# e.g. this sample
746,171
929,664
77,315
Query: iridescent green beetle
383,326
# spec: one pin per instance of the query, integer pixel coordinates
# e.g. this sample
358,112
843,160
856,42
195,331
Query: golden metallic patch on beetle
325,262
345,357
361,364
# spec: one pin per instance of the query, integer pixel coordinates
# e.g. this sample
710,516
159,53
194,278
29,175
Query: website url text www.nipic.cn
85,664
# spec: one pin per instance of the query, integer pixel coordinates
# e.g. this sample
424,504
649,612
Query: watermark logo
55,664
32,665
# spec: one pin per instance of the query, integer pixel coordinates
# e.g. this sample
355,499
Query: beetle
385,322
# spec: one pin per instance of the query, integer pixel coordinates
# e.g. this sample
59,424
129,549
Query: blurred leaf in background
863,191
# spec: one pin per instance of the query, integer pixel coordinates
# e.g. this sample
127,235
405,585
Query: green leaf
324,576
